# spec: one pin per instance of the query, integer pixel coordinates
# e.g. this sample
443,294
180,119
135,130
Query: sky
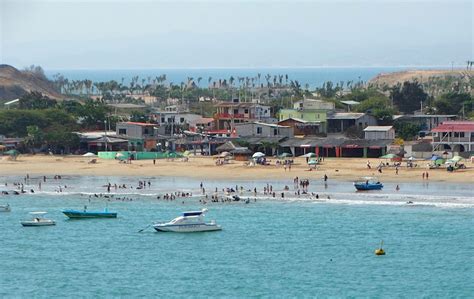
107,34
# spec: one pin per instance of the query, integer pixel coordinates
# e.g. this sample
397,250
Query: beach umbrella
12,152
186,153
435,157
224,154
411,158
285,155
310,155
312,162
89,155
258,155
388,156
457,158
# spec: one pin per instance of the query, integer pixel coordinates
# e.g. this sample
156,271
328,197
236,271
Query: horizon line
259,67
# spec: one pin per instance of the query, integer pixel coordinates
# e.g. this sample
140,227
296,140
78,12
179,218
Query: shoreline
340,169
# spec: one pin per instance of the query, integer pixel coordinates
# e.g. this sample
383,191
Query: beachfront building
309,110
230,113
336,147
203,124
259,129
338,122
140,136
455,136
95,141
379,132
303,127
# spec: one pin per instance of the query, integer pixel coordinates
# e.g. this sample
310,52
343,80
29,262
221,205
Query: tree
36,100
408,97
407,131
453,102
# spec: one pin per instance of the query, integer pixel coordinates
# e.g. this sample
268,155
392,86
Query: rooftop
345,115
139,124
378,128
455,126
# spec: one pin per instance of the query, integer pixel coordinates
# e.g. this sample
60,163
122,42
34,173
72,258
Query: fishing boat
368,183
78,214
5,208
192,221
38,220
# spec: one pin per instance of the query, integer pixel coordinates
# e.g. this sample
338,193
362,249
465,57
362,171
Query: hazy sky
151,34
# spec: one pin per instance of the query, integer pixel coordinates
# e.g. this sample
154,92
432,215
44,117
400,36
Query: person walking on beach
423,175
427,175
368,165
154,162
325,178
396,170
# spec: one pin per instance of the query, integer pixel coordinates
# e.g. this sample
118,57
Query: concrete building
309,110
230,113
338,122
303,127
456,136
140,136
259,129
379,133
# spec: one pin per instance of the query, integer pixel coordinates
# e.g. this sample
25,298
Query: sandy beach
346,169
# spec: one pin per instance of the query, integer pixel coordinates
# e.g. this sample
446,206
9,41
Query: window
162,119
236,111
259,130
246,111
181,120
122,131
275,131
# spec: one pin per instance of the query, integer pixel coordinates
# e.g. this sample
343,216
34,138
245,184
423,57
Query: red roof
141,124
455,126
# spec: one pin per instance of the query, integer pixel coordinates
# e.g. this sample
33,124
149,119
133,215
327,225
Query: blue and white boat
368,183
192,221
38,220
77,214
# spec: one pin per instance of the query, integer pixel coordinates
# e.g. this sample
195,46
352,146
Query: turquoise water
314,76
296,247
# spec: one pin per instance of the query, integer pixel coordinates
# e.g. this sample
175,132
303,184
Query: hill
15,83
422,76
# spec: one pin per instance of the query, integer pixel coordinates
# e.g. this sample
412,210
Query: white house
379,132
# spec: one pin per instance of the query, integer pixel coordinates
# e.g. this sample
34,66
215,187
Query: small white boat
189,222
38,220
5,208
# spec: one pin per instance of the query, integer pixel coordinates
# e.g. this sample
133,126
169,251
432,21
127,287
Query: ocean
272,247
313,76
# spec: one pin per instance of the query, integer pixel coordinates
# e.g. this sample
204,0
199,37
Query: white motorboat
5,208
192,221
38,220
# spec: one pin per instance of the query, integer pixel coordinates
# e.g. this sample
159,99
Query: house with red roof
456,136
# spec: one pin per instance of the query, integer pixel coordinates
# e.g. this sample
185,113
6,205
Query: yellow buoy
380,251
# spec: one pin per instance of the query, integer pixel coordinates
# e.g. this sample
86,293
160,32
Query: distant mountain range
15,83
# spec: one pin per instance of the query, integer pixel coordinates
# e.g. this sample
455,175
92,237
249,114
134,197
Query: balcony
233,116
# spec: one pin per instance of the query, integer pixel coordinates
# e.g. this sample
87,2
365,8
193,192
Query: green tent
388,156
12,152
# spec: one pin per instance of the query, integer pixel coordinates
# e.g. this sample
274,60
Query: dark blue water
314,76
269,248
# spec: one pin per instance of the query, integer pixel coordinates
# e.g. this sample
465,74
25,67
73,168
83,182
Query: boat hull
82,215
35,223
368,187
187,228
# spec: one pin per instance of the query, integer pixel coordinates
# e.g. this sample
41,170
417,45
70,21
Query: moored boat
192,221
368,183
38,220
78,214
5,208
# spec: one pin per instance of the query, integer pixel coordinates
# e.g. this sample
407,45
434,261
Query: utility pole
105,135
